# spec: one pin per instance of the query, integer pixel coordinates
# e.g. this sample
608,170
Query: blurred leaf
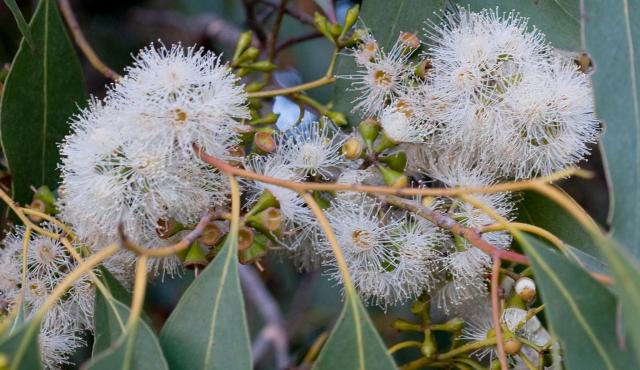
40,95
22,24
118,291
537,209
612,37
22,347
208,328
582,312
116,349
354,342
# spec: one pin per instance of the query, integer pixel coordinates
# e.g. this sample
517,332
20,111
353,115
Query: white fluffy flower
48,263
380,77
181,96
551,120
312,149
388,256
501,95
130,158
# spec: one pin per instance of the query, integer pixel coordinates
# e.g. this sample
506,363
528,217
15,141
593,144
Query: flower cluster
48,262
130,158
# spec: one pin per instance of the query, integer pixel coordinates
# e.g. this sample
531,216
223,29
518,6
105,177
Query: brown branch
83,44
302,17
297,40
274,331
444,221
184,243
318,186
273,36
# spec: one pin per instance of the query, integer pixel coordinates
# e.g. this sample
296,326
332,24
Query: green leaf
41,93
537,209
115,348
21,347
22,24
208,328
612,37
581,311
354,342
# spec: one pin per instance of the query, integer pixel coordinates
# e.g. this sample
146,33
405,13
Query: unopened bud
424,68
404,325
396,161
255,86
427,201
337,117
352,148
393,178
37,205
243,43
526,289
512,346
322,25
262,66
264,141
351,17
385,143
250,54
409,40
369,129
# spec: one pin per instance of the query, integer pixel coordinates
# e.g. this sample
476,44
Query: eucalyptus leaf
41,92
208,328
582,312
537,209
354,342
22,348
612,38
115,347
22,24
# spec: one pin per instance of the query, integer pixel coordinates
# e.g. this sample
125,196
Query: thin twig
275,30
317,186
291,11
83,44
444,221
495,311
184,243
274,331
297,40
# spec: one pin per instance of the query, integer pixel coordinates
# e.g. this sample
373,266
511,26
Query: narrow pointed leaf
582,312
541,211
116,349
208,329
354,343
21,347
41,92
612,38
22,24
